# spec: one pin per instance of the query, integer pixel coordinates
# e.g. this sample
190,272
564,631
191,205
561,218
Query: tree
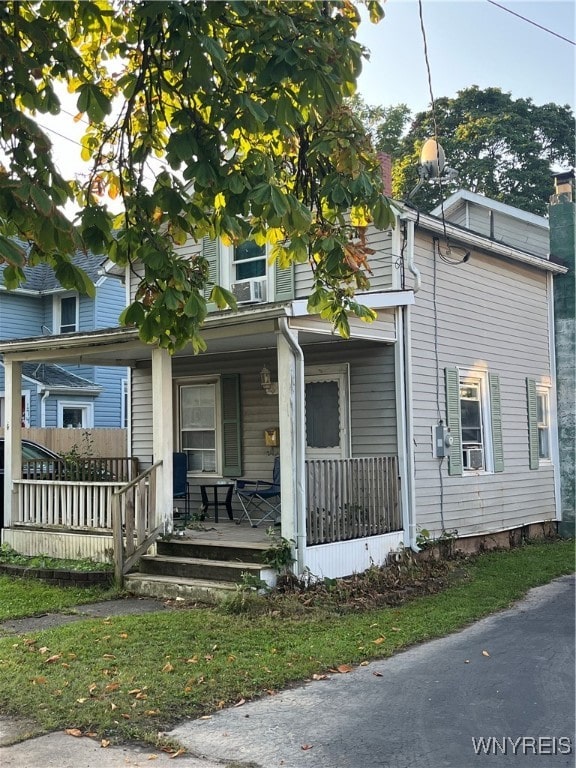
242,103
501,147
385,125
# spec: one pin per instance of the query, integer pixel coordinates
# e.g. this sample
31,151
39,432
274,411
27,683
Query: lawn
130,677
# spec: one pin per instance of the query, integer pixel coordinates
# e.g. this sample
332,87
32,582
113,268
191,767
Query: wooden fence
86,442
352,498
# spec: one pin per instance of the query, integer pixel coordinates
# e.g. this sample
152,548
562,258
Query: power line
529,21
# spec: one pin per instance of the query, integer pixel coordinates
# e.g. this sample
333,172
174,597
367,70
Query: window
198,426
66,314
25,409
249,260
75,415
538,406
473,415
327,412
209,425
124,404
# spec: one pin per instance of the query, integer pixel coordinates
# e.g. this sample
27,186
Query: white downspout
410,257
300,448
43,400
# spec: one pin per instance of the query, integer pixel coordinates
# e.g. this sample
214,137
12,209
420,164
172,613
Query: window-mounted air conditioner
473,458
250,291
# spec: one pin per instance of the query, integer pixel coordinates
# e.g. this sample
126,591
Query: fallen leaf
125,715
81,701
73,732
113,706
134,691
92,687
239,703
150,712
306,746
364,663
29,641
485,653
193,660
152,757
344,668
44,649
108,656
123,635
168,668
65,665
231,657
205,717
319,677
142,696
104,743
379,640
39,680
112,687
178,753
52,659
377,674
396,629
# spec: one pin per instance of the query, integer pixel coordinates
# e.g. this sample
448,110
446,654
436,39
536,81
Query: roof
52,376
464,195
41,278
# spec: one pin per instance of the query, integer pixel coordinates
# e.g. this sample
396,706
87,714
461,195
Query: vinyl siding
108,404
20,316
382,264
491,316
109,303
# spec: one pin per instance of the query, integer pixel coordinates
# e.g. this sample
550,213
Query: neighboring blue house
65,396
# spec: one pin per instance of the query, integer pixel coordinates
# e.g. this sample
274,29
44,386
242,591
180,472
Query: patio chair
260,499
180,487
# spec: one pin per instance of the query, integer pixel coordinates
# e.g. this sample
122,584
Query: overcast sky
470,42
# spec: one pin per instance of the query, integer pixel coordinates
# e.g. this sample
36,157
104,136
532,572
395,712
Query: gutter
299,448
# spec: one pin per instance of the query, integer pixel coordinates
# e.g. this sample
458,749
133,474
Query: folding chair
180,486
260,497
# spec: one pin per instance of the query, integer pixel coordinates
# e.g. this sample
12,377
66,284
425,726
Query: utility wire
529,21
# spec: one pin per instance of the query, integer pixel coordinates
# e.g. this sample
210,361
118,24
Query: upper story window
543,419
539,437
66,314
249,260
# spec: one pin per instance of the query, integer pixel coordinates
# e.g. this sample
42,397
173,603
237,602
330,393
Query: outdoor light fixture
269,386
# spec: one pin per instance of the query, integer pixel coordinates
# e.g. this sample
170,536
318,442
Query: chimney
562,218
386,166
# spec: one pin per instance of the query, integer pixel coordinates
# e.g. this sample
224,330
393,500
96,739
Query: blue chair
180,485
260,499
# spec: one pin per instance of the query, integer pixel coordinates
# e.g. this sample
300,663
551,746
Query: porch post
292,440
162,438
12,437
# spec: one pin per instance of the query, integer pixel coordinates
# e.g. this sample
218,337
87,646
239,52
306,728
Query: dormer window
66,314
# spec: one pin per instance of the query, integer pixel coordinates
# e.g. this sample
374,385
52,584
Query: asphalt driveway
499,693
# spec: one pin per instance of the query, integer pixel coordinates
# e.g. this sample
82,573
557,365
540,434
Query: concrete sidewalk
510,676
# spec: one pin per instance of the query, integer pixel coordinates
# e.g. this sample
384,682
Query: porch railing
89,469
135,526
351,498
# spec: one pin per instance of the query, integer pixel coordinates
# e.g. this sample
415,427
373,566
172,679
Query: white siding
493,316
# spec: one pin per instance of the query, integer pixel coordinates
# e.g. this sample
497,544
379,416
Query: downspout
407,340
43,399
299,440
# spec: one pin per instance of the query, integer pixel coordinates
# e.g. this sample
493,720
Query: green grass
129,677
9,555
32,597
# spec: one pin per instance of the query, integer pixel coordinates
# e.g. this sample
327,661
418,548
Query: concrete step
246,552
198,568
156,585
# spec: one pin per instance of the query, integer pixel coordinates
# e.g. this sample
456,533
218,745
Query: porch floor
227,532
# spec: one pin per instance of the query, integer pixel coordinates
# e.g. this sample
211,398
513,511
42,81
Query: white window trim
227,274
26,409
187,382
340,374
125,404
57,311
473,376
87,407
545,391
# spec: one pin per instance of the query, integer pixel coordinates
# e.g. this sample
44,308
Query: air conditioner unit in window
473,458
250,291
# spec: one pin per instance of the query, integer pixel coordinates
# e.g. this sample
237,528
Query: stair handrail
125,551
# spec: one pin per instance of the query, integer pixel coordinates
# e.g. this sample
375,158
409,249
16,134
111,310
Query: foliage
106,676
425,540
501,147
9,555
385,125
241,107
280,554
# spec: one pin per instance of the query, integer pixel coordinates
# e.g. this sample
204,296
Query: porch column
12,437
162,438
292,439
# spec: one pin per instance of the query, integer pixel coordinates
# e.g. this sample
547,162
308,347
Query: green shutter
231,435
211,252
452,379
283,283
496,417
532,400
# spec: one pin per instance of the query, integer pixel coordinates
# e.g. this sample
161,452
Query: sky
470,42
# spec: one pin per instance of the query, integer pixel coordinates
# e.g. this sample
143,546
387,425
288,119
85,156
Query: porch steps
196,569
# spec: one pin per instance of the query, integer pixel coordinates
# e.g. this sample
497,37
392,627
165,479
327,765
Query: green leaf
11,252
41,200
222,298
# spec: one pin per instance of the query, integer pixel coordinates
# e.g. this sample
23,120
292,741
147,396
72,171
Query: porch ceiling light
269,386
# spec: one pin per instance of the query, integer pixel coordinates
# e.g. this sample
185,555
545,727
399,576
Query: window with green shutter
211,252
452,379
496,418
231,432
532,406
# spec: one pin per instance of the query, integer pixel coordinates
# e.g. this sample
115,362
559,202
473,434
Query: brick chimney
386,166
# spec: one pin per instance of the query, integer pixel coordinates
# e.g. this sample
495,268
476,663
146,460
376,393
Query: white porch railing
68,504
351,498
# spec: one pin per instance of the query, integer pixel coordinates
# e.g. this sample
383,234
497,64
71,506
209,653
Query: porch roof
249,328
